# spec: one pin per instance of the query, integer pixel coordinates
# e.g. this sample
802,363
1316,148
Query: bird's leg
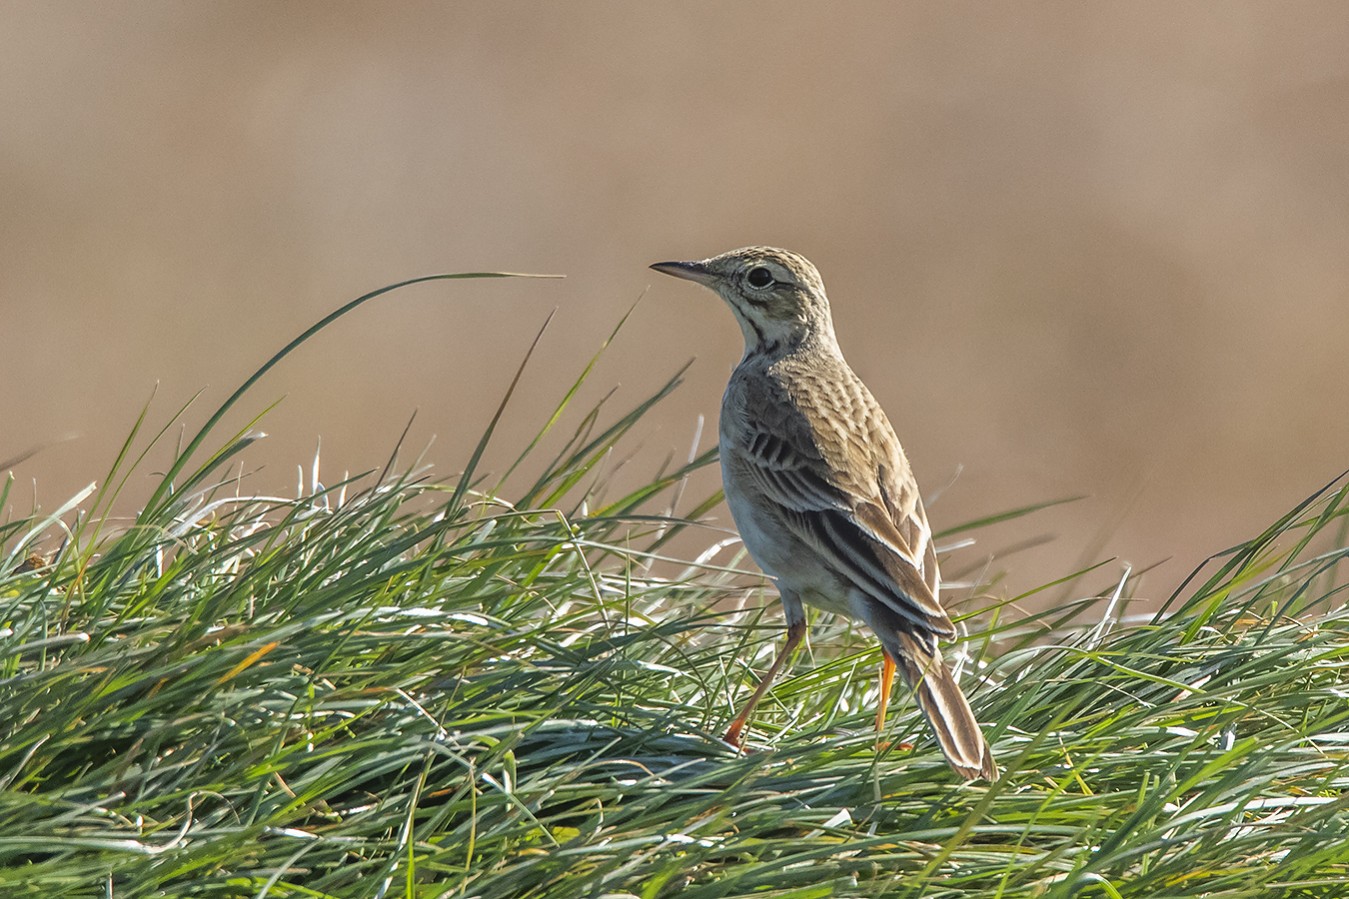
887,681
795,631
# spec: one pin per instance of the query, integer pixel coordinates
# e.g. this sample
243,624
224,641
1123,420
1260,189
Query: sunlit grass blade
179,463
402,686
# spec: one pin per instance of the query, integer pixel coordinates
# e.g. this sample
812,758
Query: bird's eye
759,277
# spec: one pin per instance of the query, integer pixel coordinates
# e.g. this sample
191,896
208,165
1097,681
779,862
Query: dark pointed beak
689,271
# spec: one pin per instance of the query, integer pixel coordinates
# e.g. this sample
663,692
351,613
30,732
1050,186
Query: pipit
822,493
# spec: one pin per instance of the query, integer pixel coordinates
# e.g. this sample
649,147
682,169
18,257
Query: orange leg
795,632
887,681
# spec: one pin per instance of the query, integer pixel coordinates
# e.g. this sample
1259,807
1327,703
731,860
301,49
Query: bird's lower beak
689,271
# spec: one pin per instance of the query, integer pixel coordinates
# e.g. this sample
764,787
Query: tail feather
946,709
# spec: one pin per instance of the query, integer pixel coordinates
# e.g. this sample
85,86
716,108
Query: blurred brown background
1073,248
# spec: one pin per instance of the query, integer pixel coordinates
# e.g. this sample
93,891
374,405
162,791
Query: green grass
403,686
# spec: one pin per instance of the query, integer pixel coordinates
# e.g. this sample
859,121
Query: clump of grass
399,686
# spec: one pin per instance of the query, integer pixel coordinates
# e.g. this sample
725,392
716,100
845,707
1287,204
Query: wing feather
855,535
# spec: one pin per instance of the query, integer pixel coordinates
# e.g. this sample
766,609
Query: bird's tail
946,709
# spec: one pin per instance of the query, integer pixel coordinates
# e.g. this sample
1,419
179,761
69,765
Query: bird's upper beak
689,271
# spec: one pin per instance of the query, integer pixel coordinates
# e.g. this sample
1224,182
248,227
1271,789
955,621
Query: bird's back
805,429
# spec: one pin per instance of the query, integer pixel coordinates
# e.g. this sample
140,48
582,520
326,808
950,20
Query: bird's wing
900,496
850,526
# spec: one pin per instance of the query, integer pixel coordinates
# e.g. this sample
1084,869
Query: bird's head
776,295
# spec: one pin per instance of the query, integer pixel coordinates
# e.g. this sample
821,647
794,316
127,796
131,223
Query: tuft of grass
401,686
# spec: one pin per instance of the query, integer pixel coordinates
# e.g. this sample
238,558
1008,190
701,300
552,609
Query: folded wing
852,525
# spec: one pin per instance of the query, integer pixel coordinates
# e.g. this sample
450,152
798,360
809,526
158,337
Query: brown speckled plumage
822,493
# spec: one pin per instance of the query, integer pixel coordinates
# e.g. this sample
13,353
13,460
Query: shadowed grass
396,686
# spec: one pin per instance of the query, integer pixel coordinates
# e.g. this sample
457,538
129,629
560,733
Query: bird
822,494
